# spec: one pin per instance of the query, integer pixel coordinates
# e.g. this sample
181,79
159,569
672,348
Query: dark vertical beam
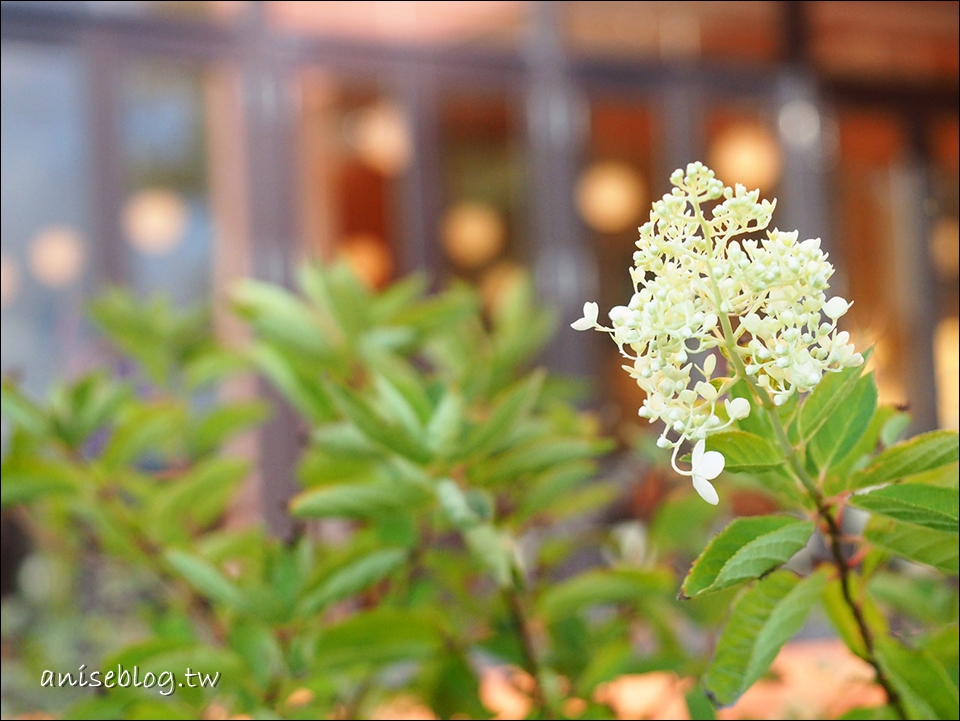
418,201
913,198
564,268
269,118
106,149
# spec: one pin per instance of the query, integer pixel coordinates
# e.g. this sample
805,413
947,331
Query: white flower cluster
699,290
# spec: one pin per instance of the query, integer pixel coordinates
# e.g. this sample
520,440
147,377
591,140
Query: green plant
793,411
442,467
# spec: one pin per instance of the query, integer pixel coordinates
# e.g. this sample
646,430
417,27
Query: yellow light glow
945,248
9,280
57,256
746,153
946,347
610,196
498,281
369,258
155,220
473,233
380,134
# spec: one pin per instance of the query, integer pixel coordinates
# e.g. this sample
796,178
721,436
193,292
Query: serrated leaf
392,437
598,587
932,507
377,637
358,500
206,579
224,422
924,687
917,455
859,456
933,548
841,431
353,578
744,452
514,404
763,618
827,398
748,548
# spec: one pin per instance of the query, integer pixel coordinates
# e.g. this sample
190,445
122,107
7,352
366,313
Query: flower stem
729,345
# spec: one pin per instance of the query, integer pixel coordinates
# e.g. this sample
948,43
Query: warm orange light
155,220
473,233
945,248
369,258
746,153
610,196
498,281
9,280
57,256
947,360
380,134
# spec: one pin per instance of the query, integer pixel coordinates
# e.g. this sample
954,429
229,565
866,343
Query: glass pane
481,226
166,220
48,261
739,31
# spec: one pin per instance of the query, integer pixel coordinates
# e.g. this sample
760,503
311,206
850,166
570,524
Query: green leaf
443,430
921,453
748,548
514,404
358,500
147,428
20,410
381,636
933,548
224,422
607,586
860,455
552,486
924,687
353,578
453,690
392,437
206,579
256,644
455,506
842,618
396,406
306,396
199,496
279,316
827,398
537,456
29,479
841,431
763,618
494,549
932,507
744,452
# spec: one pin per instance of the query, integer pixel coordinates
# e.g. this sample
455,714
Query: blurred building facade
175,146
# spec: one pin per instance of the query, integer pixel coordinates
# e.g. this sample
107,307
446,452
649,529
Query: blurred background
175,146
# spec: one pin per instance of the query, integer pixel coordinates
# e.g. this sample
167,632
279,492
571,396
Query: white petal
836,307
710,466
706,490
590,312
737,408
697,454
